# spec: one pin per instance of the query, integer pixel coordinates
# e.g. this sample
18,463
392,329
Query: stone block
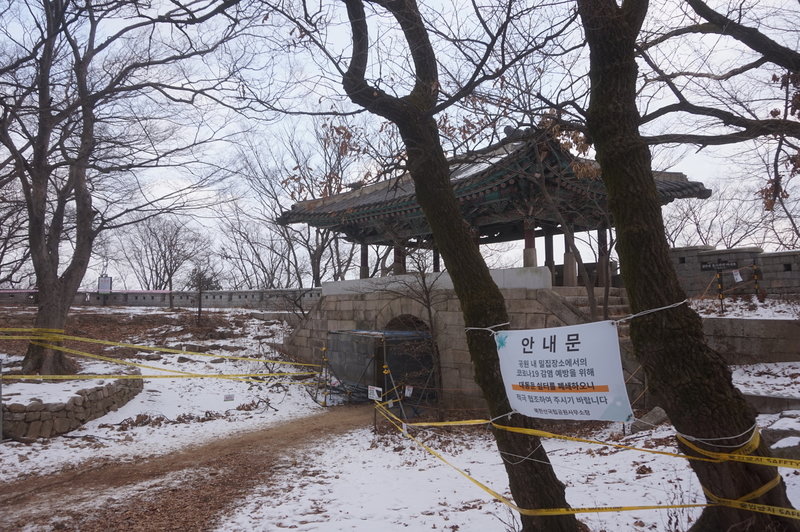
535,321
35,406
16,407
34,430
526,306
47,428
53,407
32,416
515,293
517,321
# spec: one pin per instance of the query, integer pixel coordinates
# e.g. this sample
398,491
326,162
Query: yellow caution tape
108,359
137,376
528,511
755,494
741,504
134,364
544,434
779,511
29,329
742,455
450,423
59,337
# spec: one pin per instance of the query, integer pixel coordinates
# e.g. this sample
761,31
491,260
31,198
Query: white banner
565,372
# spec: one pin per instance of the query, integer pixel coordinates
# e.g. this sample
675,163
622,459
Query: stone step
614,311
583,301
567,291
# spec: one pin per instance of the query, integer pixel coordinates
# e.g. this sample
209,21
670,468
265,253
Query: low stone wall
779,273
44,420
290,299
748,341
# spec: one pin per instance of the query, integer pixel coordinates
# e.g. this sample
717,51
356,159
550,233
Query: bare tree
95,95
415,75
300,170
726,220
689,380
14,250
157,249
205,276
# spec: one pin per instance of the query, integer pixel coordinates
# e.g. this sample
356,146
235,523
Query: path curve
186,490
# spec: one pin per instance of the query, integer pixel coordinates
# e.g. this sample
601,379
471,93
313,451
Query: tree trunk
688,379
51,314
533,483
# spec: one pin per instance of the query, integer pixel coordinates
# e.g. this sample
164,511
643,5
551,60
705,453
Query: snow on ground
769,309
364,482
374,481
776,379
175,412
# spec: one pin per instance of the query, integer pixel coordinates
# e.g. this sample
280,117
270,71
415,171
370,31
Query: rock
35,406
654,417
54,407
16,407
182,359
34,430
216,361
47,428
787,448
61,425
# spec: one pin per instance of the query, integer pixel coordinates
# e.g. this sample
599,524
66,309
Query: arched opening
411,355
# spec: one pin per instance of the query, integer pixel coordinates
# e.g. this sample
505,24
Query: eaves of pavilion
522,189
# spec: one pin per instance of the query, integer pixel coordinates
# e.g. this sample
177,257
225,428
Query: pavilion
520,189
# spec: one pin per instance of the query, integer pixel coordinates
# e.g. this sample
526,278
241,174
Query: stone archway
416,358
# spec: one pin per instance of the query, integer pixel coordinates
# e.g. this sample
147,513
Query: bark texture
688,379
533,484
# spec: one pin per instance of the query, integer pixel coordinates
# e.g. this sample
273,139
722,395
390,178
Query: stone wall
43,420
747,341
287,300
371,306
779,273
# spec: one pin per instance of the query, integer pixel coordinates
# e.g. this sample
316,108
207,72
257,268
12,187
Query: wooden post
549,260
364,271
399,265
529,233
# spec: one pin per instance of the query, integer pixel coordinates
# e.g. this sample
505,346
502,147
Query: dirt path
183,491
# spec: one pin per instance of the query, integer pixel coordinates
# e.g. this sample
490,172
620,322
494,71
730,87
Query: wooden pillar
399,264
436,262
603,276
529,233
364,271
570,266
549,260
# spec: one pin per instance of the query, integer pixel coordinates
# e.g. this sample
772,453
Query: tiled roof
491,188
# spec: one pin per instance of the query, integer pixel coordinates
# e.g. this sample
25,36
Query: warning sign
565,372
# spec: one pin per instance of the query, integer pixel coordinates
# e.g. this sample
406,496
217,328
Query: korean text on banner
565,372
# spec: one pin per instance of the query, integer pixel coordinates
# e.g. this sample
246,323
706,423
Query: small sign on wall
104,284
